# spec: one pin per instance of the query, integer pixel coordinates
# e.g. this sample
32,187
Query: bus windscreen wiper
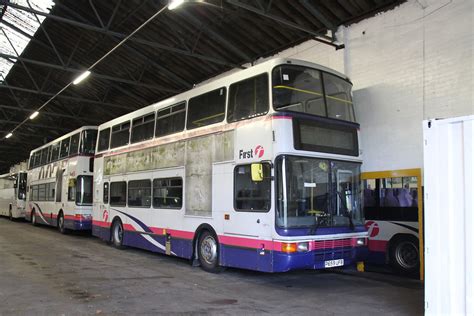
318,217
346,212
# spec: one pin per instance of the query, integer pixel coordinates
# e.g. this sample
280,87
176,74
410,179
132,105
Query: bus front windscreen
84,190
311,91
317,193
88,139
22,185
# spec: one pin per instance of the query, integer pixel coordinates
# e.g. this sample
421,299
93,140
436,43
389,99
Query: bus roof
216,84
63,137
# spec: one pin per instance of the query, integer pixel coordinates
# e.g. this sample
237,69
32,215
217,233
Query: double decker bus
13,194
60,181
257,170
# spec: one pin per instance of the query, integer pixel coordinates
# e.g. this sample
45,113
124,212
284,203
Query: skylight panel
12,41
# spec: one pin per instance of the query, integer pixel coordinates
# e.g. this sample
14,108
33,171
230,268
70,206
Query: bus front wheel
33,218
404,255
208,251
117,234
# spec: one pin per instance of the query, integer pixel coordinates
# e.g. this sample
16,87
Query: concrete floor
45,273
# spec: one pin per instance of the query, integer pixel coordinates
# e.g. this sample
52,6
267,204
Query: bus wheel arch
117,233
206,249
404,254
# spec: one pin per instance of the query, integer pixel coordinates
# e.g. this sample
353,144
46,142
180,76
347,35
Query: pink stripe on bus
101,224
247,242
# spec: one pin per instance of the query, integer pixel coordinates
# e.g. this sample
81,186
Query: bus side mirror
257,172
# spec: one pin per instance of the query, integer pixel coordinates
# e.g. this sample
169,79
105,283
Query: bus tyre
208,252
117,234
404,255
33,218
61,227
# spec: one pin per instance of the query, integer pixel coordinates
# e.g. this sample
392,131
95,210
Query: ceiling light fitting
83,76
34,114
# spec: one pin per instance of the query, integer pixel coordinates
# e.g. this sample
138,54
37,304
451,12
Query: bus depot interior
237,152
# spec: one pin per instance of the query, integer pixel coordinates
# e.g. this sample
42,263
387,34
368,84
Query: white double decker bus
60,181
13,194
257,170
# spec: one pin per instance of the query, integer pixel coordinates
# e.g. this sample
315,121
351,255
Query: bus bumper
319,259
82,223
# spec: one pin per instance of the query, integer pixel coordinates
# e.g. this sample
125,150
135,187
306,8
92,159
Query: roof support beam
16,108
37,125
278,19
65,97
18,55
318,15
121,36
94,74
207,29
46,34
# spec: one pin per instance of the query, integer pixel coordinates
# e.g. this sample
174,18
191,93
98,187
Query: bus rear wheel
208,252
117,234
404,255
61,227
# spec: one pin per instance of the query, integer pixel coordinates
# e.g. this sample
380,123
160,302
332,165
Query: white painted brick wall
408,64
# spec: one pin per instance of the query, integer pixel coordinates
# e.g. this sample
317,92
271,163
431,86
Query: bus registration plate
333,263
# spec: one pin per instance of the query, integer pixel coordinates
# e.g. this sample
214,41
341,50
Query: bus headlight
290,247
303,246
361,241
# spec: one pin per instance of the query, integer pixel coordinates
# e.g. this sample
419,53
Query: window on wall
248,98
142,128
118,193
206,109
74,146
139,193
120,135
391,199
105,197
171,119
64,148
55,151
168,193
249,195
104,138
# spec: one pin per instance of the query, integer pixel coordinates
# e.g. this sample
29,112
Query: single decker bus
13,195
257,170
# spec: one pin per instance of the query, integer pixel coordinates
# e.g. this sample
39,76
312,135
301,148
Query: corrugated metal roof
175,51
